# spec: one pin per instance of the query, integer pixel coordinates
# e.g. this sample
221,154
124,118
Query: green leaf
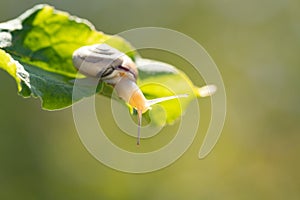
36,50
41,43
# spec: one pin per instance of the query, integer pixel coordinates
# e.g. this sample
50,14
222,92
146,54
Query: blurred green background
256,46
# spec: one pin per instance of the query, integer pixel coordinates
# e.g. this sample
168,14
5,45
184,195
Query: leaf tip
207,90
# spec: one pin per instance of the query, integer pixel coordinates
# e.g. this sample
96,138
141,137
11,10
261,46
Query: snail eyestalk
139,127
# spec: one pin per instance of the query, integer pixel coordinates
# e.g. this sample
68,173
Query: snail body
117,69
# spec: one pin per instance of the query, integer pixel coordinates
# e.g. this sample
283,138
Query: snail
117,69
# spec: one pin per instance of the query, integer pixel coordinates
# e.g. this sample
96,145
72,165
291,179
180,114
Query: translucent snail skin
117,69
